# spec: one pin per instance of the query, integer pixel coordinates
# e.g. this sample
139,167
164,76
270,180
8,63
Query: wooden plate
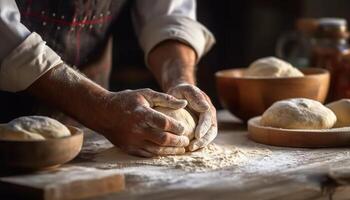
35,155
335,137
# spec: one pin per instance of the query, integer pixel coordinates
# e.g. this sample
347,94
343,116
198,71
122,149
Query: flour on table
209,158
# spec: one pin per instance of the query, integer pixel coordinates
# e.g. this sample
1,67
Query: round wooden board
336,137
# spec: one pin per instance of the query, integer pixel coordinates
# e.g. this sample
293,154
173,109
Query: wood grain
63,183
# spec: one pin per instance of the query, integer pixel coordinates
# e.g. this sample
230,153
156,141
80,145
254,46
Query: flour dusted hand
130,122
198,101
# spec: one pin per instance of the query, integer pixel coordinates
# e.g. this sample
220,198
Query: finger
140,152
196,100
160,121
166,139
213,111
162,151
205,140
164,100
204,124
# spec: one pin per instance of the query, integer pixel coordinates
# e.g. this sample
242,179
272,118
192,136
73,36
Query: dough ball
298,113
272,67
33,128
187,119
341,109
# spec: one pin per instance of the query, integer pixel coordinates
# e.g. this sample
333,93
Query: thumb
164,100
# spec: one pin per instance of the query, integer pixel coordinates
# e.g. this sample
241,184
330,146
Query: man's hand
126,118
173,64
198,101
130,123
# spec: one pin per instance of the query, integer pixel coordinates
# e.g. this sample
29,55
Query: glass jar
295,46
330,50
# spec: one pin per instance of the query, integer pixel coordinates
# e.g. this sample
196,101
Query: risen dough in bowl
272,67
187,119
298,113
341,109
33,128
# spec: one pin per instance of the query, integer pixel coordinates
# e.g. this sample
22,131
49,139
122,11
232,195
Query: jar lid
329,21
332,28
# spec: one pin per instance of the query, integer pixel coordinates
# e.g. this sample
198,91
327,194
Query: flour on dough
187,119
272,67
341,109
298,113
33,128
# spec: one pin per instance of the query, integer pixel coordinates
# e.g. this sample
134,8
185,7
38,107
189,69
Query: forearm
70,92
172,63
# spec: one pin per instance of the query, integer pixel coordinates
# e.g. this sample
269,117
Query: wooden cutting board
69,182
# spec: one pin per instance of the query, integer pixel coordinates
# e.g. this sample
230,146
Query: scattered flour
209,158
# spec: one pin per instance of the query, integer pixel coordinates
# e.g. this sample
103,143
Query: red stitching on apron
100,20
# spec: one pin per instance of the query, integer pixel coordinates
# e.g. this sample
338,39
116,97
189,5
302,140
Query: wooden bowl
40,154
247,97
335,137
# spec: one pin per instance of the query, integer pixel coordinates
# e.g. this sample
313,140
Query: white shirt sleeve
159,20
25,56
12,32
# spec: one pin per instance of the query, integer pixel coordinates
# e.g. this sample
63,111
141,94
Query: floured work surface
234,167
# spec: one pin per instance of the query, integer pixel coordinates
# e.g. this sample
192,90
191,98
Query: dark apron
77,30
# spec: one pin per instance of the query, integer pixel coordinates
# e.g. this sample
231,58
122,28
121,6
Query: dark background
245,30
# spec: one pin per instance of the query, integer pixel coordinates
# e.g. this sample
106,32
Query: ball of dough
298,113
33,128
272,67
187,119
341,109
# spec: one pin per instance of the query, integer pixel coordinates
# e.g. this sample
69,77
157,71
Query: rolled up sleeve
25,56
159,20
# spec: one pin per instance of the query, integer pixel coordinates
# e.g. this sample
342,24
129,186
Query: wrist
173,62
176,72
177,83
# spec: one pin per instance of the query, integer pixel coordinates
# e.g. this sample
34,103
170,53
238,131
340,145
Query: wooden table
283,173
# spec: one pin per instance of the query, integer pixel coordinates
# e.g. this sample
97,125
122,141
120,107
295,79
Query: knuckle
164,123
163,139
169,97
147,90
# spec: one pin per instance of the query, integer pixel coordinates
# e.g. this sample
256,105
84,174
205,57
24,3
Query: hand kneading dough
341,109
298,113
272,67
33,128
183,116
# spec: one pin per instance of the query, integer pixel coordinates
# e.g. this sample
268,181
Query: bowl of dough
248,92
37,142
301,122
